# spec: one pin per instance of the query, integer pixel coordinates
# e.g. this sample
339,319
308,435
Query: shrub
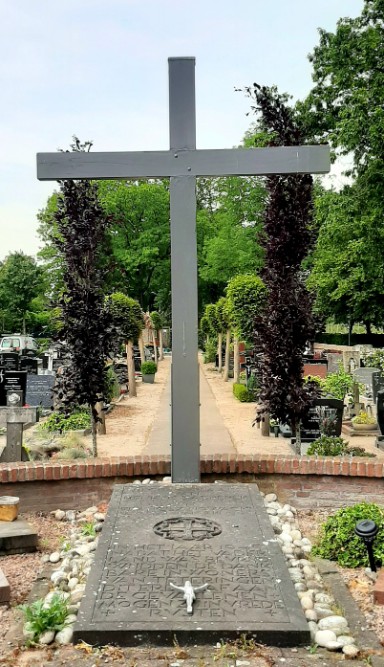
328,445
332,445
243,394
148,368
41,617
210,352
59,422
338,384
339,542
112,388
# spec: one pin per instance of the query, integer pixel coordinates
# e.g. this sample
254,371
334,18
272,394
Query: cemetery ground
129,429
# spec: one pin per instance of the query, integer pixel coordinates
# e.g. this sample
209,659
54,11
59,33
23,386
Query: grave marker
39,391
11,381
29,364
14,416
182,164
9,361
208,534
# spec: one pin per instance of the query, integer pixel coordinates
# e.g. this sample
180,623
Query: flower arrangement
363,418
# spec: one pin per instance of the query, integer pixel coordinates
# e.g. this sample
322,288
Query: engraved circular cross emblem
183,528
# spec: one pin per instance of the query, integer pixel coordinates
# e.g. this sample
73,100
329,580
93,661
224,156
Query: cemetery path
141,425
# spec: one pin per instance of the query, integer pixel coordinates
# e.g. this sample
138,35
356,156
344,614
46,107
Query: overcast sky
98,69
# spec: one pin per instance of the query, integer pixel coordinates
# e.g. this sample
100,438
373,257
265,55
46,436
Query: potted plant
364,422
148,371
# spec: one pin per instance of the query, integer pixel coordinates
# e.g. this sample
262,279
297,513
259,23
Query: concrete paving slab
17,537
214,436
218,535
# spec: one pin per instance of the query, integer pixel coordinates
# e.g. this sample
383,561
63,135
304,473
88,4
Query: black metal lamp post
367,531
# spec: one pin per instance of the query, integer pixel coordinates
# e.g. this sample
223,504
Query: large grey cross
182,164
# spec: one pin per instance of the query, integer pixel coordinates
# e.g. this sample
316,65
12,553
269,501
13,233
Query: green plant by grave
71,453
253,387
40,617
374,358
88,530
338,541
242,394
148,368
338,384
78,420
112,387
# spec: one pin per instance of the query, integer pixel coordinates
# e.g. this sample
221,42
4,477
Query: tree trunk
298,439
141,348
226,360
265,424
131,370
236,357
24,327
100,427
368,328
220,352
161,350
94,434
350,329
154,344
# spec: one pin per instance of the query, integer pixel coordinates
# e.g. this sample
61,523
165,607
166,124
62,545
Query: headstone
324,417
364,375
39,390
380,410
351,360
29,364
14,416
212,534
377,383
12,381
9,361
334,360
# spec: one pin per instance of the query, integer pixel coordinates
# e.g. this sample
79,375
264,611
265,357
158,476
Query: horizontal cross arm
164,164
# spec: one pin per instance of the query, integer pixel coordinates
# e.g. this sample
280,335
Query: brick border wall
305,482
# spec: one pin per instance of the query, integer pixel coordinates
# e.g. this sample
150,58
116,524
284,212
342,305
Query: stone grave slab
5,590
215,534
17,537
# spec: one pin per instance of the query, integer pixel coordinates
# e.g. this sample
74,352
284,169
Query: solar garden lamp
367,531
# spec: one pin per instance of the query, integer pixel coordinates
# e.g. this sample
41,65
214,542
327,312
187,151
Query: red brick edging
221,464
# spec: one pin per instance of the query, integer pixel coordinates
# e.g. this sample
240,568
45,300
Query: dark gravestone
218,535
39,390
29,364
325,416
9,361
45,360
12,381
380,410
377,383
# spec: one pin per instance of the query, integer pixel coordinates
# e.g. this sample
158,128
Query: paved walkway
214,436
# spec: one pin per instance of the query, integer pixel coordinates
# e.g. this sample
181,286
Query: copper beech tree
286,323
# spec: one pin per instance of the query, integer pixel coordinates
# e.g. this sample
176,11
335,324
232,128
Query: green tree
346,108
348,268
140,263
245,297
128,320
21,280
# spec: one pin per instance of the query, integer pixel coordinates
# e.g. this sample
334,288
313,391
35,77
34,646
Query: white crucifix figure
182,164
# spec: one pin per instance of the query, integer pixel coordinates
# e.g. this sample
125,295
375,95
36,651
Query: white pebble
323,637
59,516
333,623
65,635
345,640
350,650
270,498
311,615
306,603
47,637
54,557
146,481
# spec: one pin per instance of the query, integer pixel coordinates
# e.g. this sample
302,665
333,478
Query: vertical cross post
185,427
